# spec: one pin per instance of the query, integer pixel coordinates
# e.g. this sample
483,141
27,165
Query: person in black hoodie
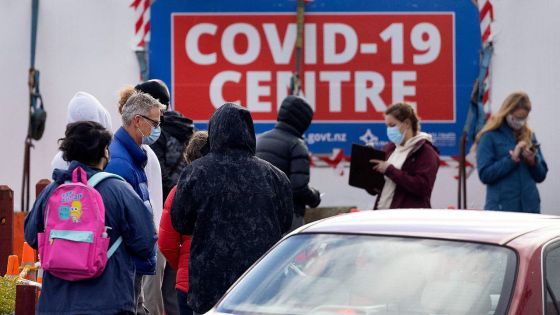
235,205
284,147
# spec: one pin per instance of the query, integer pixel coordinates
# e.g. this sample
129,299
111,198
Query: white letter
394,33
281,52
283,79
400,91
191,43
363,93
431,46
255,91
217,84
330,30
334,78
253,43
310,44
309,88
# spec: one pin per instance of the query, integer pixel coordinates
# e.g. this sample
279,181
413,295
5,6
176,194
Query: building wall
88,45
81,45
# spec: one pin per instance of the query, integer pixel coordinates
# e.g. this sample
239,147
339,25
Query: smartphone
535,147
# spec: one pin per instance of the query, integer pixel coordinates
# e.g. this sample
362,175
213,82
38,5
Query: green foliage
7,295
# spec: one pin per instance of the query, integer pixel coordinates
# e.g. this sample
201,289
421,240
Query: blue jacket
128,159
113,291
510,186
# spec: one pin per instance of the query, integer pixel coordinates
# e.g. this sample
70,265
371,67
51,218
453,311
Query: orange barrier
28,259
19,219
13,266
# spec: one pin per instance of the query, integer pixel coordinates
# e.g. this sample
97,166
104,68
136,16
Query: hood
85,107
416,139
177,125
231,129
60,175
156,88
296,112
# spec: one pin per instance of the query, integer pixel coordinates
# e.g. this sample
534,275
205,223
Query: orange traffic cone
28,259
13,266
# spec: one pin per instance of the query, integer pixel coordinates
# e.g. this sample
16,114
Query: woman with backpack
111,290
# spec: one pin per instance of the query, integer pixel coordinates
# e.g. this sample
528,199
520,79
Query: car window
552,280
358,274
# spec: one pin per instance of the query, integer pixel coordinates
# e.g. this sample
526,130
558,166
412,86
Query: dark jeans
184,308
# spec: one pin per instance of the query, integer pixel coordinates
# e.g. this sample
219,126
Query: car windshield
360,274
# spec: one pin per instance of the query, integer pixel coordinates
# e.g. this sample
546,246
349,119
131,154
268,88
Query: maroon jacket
416,178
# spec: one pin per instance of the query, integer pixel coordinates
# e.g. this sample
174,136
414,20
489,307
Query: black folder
362,174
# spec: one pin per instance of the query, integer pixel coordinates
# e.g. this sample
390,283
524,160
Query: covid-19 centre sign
358,58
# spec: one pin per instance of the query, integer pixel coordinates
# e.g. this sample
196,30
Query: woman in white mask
509,159
412,161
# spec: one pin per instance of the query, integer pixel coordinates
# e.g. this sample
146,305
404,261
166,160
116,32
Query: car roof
496,227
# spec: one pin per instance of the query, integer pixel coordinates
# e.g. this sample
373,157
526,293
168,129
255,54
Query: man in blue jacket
140,125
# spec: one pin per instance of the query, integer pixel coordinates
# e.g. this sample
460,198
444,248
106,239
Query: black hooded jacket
235,205
176,131
284,147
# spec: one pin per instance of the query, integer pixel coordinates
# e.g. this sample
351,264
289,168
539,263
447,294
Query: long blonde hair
514,101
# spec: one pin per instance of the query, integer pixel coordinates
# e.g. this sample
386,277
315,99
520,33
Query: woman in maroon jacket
412,162
174,246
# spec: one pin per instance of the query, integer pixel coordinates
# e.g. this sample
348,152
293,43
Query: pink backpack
75,245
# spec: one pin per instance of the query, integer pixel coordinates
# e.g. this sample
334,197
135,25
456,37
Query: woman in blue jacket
509,158
86,145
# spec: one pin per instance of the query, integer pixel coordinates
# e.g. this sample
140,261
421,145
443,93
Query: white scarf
397,159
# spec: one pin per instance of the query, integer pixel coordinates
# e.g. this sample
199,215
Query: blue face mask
395,135
152,137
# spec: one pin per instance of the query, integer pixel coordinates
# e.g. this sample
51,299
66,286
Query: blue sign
358,58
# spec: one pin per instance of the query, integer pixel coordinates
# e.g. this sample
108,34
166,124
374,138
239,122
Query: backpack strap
93,181
101,176
114,247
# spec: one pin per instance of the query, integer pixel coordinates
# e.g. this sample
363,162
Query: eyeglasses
155,123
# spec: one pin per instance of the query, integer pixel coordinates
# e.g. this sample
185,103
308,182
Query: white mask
515,123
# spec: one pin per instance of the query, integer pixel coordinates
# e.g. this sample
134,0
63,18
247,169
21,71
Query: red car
401,262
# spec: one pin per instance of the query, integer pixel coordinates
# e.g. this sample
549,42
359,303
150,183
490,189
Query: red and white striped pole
142,24
142,34
486,14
